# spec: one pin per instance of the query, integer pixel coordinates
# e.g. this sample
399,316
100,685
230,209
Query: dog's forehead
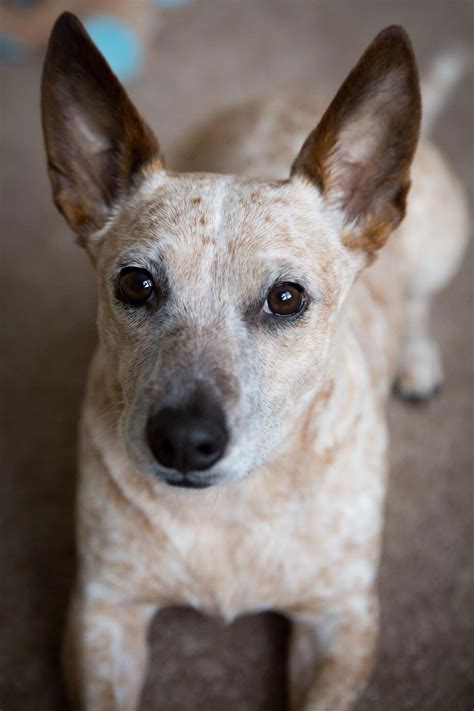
222,207
200,225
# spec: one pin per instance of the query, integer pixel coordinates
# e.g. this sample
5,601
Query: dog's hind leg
420,371
432,241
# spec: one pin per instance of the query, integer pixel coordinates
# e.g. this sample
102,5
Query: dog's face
219,296
238,285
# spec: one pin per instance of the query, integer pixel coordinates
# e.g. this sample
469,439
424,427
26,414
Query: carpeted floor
208,54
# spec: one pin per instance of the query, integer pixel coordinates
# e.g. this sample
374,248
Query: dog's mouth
188,482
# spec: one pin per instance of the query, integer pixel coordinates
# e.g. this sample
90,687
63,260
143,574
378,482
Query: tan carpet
208,54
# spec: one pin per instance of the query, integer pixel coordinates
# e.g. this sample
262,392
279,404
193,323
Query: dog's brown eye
285,299
136,286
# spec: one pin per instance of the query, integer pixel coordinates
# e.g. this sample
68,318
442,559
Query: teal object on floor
119,44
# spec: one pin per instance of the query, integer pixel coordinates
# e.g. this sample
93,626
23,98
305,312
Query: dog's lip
189,483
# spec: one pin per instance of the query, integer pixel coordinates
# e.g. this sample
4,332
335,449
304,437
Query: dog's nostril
164,450
185,441
207,448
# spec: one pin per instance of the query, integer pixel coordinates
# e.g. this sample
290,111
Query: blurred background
182,60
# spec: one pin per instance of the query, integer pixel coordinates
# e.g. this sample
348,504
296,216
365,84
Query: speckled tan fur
294,520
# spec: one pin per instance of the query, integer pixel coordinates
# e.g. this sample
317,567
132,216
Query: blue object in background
11,49
118,42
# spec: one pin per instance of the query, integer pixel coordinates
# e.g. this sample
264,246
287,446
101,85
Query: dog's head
218,295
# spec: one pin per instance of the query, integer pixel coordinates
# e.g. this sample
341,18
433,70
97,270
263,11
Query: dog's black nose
188,439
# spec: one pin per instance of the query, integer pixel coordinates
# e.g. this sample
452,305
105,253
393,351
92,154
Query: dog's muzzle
188,439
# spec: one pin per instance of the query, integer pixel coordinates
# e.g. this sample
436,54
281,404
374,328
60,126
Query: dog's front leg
105,654
332,654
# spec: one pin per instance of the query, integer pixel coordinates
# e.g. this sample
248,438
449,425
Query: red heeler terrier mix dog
252,320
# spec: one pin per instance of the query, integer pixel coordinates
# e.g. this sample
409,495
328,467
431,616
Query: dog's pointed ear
360,153
96,141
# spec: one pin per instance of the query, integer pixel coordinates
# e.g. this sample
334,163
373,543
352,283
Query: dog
250,331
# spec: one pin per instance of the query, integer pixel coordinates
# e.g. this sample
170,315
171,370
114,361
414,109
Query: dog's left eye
136,286
285,299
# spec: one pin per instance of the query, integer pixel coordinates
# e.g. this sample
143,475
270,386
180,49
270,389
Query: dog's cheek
109,335
123,350
295,369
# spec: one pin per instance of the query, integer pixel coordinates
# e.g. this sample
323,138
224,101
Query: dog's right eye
136,286
285,299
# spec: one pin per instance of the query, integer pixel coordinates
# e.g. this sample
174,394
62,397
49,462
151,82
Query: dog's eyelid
137,263
155,268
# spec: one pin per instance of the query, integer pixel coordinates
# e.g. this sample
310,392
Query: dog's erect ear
359,155
96,141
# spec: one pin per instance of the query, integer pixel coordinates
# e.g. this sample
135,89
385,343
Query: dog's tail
447,70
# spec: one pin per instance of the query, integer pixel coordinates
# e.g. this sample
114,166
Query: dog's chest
308,549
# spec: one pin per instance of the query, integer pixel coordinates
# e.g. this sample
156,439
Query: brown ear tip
66,25
395,35
67,19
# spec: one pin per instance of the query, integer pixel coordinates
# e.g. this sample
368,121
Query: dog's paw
420,372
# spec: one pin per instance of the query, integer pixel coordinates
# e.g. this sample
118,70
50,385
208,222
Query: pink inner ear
352,179
88,135
370,148
95,138
360,153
